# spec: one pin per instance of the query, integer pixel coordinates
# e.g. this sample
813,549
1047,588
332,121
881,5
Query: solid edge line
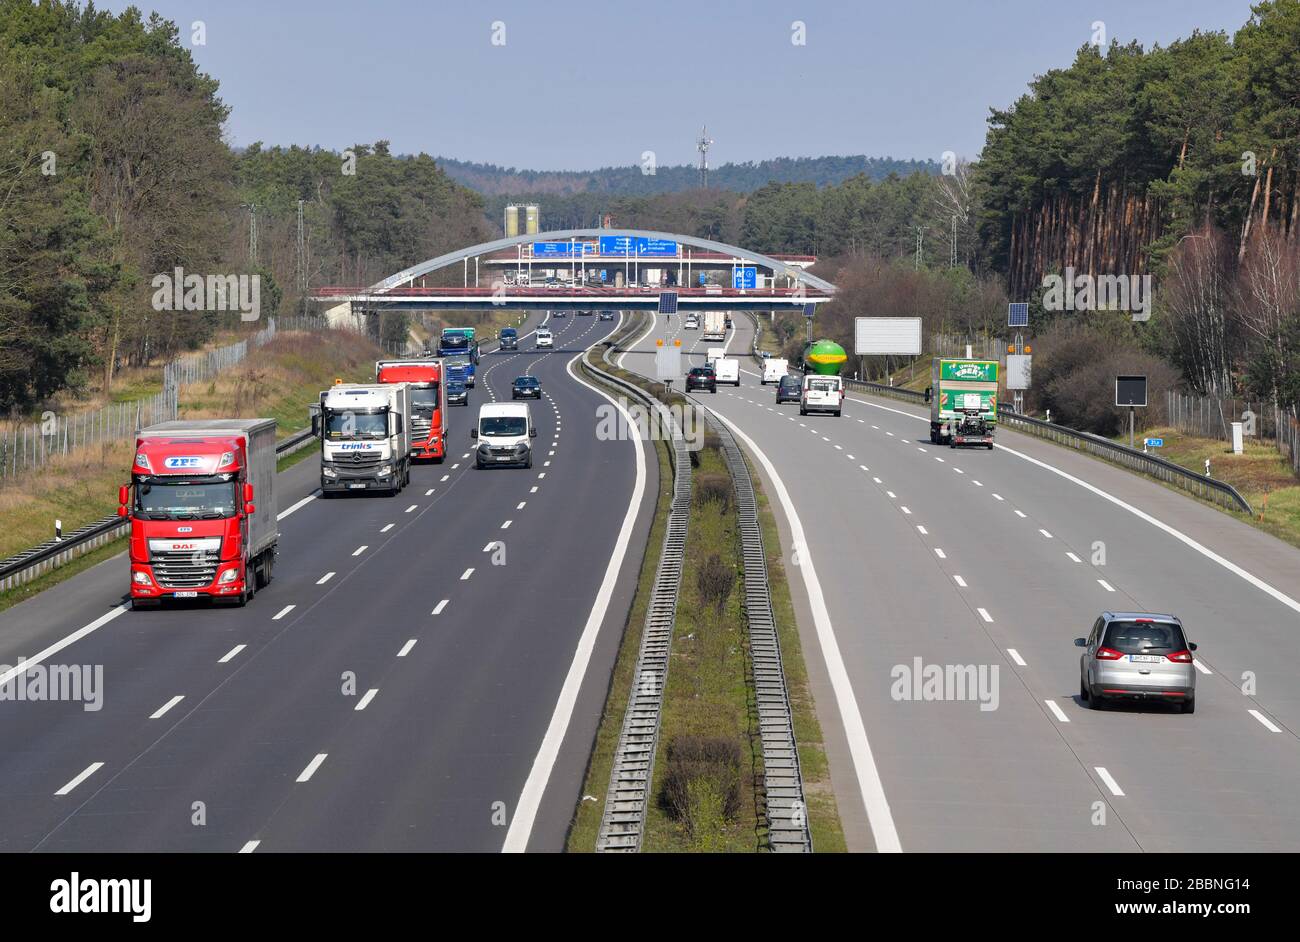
59,645
879,816
539,776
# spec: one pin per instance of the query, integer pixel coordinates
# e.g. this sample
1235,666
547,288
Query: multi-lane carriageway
477,686
906,550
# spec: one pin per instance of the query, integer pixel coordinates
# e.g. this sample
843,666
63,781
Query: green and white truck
963,397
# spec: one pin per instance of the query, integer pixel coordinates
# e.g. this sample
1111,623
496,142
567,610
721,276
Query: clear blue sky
584,85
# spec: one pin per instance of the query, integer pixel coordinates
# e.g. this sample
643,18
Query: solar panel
1018,314
668,302
809,309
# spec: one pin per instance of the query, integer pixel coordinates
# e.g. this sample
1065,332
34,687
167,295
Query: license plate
357,486
505,458
1145,658
185,595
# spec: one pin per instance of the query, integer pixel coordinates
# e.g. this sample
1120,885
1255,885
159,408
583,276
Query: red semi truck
428,403
202,508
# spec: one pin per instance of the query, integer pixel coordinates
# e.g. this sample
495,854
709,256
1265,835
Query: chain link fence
26,447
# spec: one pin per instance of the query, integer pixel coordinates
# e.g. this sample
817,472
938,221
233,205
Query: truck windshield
457,363
185,500
495,425
346,424
424,399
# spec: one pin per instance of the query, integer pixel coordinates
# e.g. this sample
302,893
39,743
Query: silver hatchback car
1137,655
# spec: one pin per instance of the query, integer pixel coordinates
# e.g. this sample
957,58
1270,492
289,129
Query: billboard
887,335
1130,390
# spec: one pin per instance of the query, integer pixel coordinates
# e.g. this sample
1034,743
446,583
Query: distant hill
491,180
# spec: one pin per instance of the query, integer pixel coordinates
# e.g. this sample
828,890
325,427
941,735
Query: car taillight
1108,654
1181,657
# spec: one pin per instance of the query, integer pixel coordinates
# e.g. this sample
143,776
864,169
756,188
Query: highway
425,672
904,550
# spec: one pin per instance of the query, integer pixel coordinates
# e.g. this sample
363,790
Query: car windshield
789,382
1138,637
512,425
455,389
425,399
186,500
701,371
526,381
347,424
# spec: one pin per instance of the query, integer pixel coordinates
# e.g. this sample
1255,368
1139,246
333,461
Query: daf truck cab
504,433
428,403
365,433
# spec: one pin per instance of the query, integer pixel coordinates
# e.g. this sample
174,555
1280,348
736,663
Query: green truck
963,398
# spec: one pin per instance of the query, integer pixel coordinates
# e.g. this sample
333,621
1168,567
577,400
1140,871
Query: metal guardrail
787,811
622,824
23,567
1207,488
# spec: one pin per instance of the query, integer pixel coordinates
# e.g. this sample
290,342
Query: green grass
708,692
586,821
823,812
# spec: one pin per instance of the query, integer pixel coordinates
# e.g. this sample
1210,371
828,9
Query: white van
822,394
504,432
774,369
727,370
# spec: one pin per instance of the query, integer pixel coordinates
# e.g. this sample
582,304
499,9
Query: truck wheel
990,446
1189,705
478,464
837,413
803,411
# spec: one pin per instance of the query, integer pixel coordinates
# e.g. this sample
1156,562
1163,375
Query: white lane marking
940,553
506,525
1110,782
385,528
406,648
906,511
360,549
960,581
873,792
1073,557
249,847
546,464
302,503
533,489
1015,656
921,450
520,505
876,427
455,466
1196,662
890,434
891,494
325,578
997,497
1057,711
158,713
59,645
864,467
922,529
437,609
824,438
446,477
429,492
1105,585
940,460
409,509
551,453
976,483
282,612
464,576
959,470
878,481
488,548
1019,514
365,700
312,766
86,773
232,653
839,447
984,614
851,458
521,824
1268,724
541,475
1044,533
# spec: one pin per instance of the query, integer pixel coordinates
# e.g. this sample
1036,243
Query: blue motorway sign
703,281
744,277
1155,442
637,247
562,249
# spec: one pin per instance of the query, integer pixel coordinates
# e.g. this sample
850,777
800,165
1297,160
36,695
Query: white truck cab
365,433
504,433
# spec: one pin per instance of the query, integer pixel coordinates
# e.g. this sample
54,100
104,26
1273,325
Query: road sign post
1131,391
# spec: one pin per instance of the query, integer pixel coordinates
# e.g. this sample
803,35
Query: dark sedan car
606,315
559,313
457,394
788,389
702,377
526,387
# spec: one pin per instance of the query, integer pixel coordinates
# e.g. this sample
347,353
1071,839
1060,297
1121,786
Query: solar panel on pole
1018,314
668,302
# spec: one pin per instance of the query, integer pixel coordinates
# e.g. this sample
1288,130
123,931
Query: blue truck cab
459,349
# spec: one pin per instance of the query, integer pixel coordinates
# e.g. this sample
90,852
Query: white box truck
365,433
715,326
773,369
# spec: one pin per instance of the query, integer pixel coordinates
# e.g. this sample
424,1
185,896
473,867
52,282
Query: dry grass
278,381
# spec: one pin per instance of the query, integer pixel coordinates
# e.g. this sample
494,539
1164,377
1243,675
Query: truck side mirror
397,423
121,510
473,433
250,509
929,392
532,432
248,493
123,494
315,425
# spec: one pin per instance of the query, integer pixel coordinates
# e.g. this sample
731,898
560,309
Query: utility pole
302,255
920,236
702,145
252,234
952,255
